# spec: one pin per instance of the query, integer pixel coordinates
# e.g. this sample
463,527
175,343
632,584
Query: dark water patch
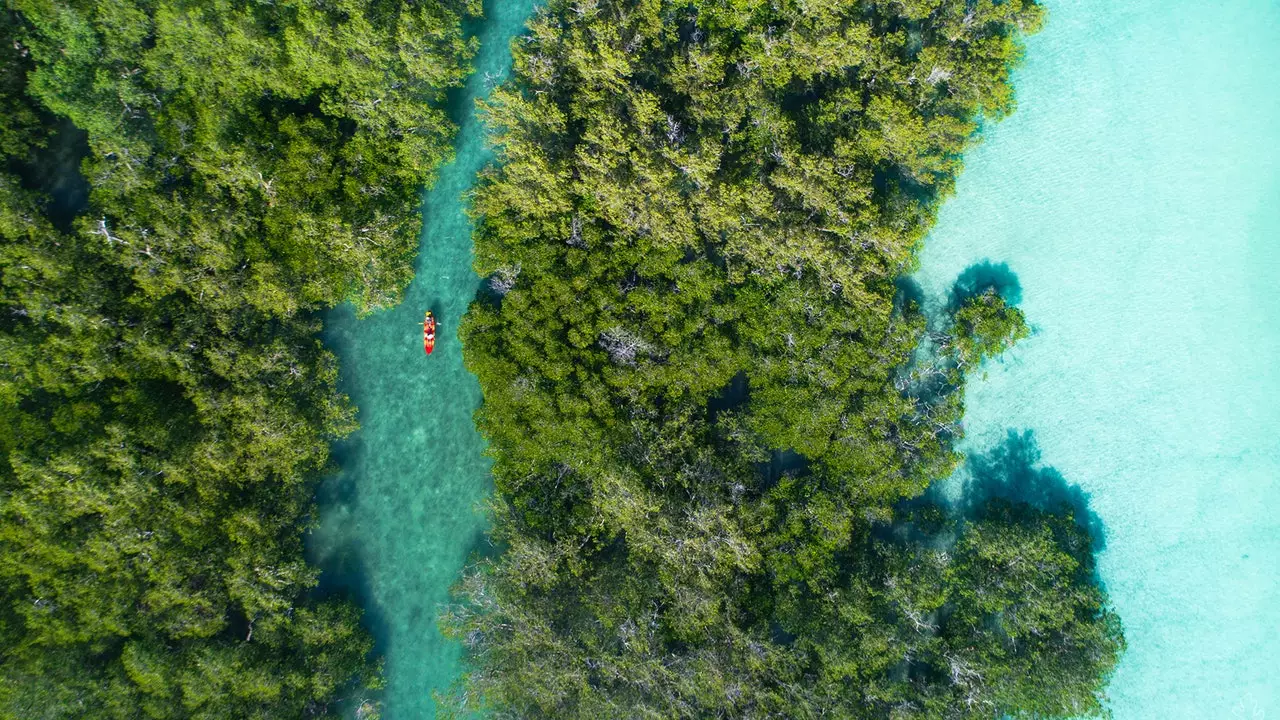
926,520
343,567
490,292
442,312
896,191
1011,471
907,292
981,277
54,172
481,546
779,635
342,488
339,489
781,463
731,396
345,575
459,102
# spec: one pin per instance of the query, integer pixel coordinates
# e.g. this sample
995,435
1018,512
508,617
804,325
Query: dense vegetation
707,398
164,399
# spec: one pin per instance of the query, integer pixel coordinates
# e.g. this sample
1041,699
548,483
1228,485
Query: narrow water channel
400,519
1135,198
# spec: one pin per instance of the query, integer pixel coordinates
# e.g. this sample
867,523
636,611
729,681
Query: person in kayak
429,332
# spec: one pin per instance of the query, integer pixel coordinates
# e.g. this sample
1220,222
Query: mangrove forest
714,401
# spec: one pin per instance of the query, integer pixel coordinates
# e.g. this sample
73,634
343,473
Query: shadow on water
487,295
907,293
54,172
731,397
781,463
345,575
482,547
340,489
341,557
980,277
439,308
61,179
346,455
1012,471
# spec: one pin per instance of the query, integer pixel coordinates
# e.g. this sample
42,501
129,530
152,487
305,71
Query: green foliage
702,399
164,399
986,326
1029,629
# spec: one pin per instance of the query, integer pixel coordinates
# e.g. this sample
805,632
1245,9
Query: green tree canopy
702,393
165,400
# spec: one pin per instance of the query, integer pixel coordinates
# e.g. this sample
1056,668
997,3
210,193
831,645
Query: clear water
399,521
1136,196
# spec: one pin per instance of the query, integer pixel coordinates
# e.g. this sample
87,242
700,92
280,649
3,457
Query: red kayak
429,333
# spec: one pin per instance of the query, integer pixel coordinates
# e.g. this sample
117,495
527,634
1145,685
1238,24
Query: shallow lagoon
1135,194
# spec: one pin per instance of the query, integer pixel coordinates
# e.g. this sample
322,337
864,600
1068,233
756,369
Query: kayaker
429,332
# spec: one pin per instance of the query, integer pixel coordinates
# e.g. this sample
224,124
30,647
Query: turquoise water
400,520
1136,196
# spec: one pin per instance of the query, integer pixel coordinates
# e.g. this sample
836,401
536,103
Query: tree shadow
340,487
1011,471
344,574
439,310
731,397
54,171
907,292
486,294
342,564
782,462
980,277
481,546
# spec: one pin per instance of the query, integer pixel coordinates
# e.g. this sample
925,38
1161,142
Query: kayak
429,333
